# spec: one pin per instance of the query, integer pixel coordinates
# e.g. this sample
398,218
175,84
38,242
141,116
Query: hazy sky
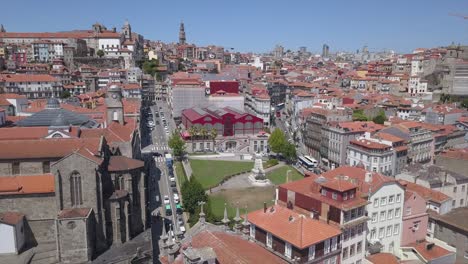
257,25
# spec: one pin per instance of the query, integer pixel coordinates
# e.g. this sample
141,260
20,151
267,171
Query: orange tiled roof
426,193
430,254
358,175
28,78
11,218
27,184
339,184
369,144
230,249
461,154
383,258
292,227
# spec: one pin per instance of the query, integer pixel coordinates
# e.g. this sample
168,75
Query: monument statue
258,171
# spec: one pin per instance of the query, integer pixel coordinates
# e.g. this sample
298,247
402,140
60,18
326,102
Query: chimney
368,177
429,246
264,207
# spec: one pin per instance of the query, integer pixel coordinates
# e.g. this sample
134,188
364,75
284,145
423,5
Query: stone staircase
45,253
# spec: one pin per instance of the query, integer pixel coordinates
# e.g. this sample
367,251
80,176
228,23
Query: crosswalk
160,159
160,147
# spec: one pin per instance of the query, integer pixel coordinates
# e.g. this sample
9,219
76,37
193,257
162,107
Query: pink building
415,219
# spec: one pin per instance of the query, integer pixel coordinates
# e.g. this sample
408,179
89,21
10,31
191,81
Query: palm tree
213,135
203,132
192,132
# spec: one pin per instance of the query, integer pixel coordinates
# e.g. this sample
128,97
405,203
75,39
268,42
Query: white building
34,86
222,100
12,232
375,155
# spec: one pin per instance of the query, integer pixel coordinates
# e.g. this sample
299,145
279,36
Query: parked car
166,199
180,221
168,210
176,198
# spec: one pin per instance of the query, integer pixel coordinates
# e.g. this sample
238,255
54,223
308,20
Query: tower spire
2,29
182,33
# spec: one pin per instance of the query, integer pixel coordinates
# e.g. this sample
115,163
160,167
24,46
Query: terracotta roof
232,249
292,227
339,184
382,258
369,144
309,187
80,34
429,255
12,96
122,163
28,78
388,137
358,175
46,148
74,213
426,193
461,154
22,133
11,218
27,184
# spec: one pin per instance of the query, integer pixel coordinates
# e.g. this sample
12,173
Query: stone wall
42,231
75,239
35,207
99,63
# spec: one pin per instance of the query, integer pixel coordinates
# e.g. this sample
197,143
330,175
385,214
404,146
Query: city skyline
343,26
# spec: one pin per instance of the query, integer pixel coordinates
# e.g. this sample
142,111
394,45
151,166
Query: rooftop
27,184
292,227
74,213
11,218
456,218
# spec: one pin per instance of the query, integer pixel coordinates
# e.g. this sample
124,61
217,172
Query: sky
258,25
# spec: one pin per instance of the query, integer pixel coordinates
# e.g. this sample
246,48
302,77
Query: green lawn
252,197
211,172
179,170
278,176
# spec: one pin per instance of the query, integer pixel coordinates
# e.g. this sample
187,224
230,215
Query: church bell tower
181,34
114,105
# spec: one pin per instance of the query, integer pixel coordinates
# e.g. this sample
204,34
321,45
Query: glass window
381,232
312,252
345,253
327,246
351,250
359,247
334,196
391,199
389,230
374,217
287,250
376,202
269,240
382,216
373,234
408,210
383,201
398,198
345,196
455,189
397,212
453,203
396,229
46,166
390,214
252,231
15,168
461,202
334,244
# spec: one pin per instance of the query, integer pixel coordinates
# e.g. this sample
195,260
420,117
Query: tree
289,152
193,193
203,132
177,144
100,53
213,135
380,118
277,140
193,132
65,94
465,103
150,66
358,115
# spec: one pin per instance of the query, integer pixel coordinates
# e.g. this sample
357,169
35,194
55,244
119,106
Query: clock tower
114,105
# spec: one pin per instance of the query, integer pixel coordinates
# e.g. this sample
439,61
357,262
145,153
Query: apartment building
336,201
188,94
258,102
313,130
385,211
290,235
372,155
33,86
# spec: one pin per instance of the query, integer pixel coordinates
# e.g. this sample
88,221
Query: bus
308,163
168,157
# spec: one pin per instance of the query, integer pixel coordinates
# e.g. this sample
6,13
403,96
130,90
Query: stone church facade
74,192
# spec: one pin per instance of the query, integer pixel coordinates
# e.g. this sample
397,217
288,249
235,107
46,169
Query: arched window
75,189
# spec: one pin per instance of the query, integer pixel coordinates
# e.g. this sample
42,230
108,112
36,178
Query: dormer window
334,195
324,192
